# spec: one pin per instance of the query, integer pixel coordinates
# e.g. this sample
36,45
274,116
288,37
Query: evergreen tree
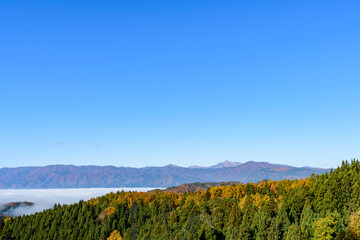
355,198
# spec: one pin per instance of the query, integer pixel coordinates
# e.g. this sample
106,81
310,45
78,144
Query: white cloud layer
46,198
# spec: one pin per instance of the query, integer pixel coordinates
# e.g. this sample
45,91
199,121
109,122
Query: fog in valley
46,198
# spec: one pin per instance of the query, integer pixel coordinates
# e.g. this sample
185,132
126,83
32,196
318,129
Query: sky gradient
150,83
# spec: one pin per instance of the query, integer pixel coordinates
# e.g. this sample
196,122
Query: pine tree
355,198
293,232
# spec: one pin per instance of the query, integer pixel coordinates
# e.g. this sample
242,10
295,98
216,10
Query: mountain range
70,176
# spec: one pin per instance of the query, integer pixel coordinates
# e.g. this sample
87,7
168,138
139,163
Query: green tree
355,198
293,232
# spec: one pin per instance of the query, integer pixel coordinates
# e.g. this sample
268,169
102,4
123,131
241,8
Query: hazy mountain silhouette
220,165
69,176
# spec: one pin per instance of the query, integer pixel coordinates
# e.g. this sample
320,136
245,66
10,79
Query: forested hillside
325,206
194,187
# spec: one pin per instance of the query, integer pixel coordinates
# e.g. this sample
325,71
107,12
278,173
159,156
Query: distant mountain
196,166
69,176
224,164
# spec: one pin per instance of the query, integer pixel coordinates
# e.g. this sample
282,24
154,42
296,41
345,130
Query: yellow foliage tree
257,199
115,235
109,211
354,224
324,228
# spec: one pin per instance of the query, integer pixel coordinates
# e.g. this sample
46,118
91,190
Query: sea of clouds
46,198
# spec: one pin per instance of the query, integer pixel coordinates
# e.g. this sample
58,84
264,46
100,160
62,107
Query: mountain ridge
86,176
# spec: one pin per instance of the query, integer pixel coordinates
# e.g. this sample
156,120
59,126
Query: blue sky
139,83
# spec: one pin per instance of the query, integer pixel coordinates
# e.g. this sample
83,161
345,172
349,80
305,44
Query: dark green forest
325,206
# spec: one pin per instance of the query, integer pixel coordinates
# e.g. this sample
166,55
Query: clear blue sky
138,83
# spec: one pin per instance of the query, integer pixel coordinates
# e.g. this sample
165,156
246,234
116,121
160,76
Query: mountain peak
226,164
171,166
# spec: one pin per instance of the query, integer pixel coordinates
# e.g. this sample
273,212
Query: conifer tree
355,198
